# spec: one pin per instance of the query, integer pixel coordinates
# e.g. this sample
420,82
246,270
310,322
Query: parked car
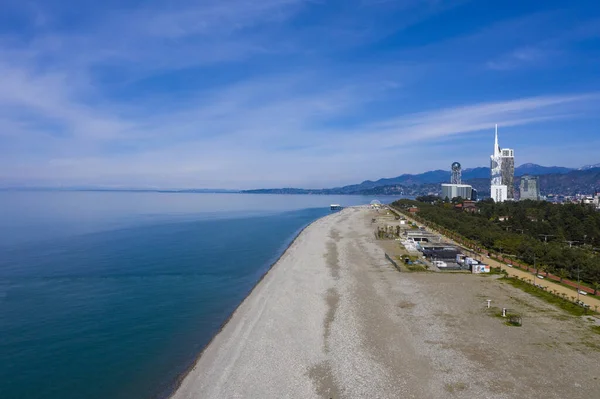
540,276
582,292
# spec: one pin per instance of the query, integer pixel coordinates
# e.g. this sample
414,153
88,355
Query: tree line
560,239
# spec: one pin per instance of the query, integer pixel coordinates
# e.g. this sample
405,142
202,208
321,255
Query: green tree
562,274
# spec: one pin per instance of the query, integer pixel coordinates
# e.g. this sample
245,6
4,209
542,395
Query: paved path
512,271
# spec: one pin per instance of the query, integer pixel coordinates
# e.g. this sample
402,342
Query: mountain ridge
552,178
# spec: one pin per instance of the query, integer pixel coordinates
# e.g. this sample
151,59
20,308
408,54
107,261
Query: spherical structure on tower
456,173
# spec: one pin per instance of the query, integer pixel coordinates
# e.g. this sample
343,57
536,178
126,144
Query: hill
553,180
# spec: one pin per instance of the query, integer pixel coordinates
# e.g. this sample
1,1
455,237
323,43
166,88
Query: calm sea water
113,295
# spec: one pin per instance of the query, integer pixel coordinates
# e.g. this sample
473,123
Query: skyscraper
455,188
456,173
499,191
530,188
502,177
508,171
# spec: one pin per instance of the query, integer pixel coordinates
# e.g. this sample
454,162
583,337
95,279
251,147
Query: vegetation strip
560,239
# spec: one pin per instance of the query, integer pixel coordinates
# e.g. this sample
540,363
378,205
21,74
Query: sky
290,93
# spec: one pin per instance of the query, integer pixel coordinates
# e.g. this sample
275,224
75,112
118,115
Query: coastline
171,391
334,319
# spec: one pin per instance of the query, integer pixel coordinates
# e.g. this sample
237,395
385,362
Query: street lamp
578,282
546,236
534,270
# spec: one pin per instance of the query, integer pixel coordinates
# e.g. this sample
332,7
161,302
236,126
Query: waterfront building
530,188
502,172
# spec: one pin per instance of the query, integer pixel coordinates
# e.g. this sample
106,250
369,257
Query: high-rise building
456,173
455,188
530,188
502,172
499,192
508,171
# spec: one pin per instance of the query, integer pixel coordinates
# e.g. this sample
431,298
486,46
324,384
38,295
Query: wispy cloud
242,93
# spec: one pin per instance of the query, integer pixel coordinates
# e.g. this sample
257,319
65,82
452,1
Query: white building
502,172
450,191
499,192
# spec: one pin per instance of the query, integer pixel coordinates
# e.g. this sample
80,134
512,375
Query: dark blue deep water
113,295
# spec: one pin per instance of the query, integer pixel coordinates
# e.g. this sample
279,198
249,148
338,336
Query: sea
115,294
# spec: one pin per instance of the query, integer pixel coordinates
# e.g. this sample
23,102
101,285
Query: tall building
502,179
508,171
530,188
455,188
456,173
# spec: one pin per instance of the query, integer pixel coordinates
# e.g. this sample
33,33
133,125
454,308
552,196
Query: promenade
528,273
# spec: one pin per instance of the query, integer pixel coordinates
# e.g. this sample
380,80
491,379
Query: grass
456,387
497,312
494,271
575,288
512,323
416,268
596,329
564,304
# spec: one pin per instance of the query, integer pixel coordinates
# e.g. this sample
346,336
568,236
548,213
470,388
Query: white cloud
72,109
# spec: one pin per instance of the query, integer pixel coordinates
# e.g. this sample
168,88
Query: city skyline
289,93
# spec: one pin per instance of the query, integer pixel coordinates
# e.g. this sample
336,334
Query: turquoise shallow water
113,295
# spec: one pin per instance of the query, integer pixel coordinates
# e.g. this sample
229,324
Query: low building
469,206
452,191
413,209
466,206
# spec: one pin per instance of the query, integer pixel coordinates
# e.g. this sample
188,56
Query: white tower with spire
499,191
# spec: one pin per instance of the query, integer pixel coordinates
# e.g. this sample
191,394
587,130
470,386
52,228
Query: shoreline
335,319
172,389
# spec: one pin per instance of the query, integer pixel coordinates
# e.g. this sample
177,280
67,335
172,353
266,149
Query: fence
392,261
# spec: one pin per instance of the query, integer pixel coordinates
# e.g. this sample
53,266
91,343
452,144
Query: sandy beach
334,319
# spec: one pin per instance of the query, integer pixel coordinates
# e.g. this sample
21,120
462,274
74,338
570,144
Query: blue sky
302,93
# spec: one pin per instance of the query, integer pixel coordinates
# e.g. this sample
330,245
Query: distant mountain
443,176
538,170
553,179
586,167
476,173
575,182
434,176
